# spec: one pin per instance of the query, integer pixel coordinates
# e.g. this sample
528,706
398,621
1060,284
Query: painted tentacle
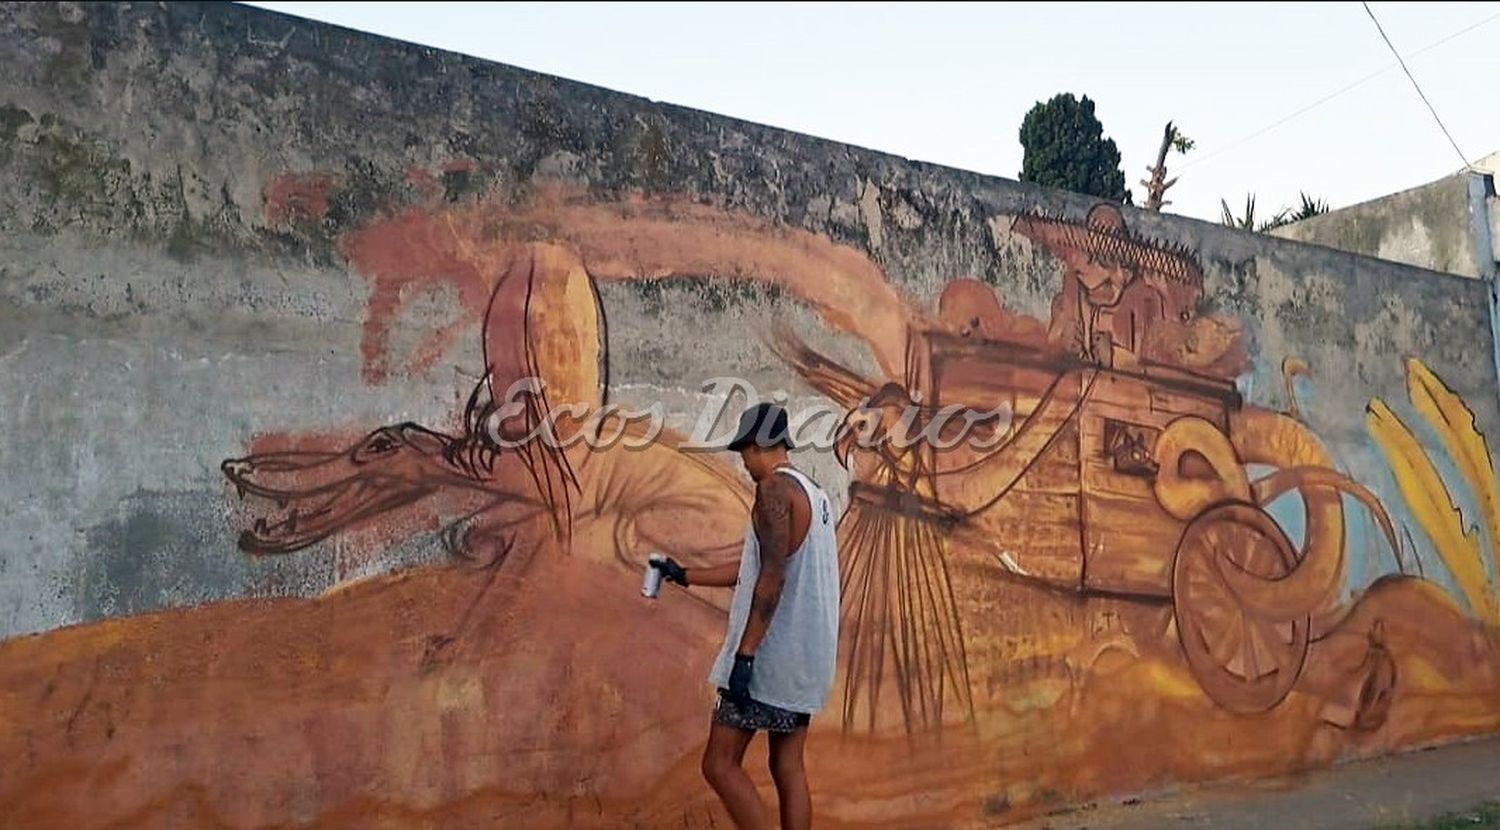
1264,437
1284,481
1291,369
1197,467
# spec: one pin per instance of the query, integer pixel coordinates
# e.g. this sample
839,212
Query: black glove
671,571
739,677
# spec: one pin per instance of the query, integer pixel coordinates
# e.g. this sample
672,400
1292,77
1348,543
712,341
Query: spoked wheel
1246,662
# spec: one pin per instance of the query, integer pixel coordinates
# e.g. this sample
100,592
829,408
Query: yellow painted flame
1455,426
1427,495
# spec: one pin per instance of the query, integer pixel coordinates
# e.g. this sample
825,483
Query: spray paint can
652,584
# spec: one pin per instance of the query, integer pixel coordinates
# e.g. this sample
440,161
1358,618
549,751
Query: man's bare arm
715,576
773,529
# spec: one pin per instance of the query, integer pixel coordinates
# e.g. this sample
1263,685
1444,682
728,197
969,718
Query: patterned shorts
756,716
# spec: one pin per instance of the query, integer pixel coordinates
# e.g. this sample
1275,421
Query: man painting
777,664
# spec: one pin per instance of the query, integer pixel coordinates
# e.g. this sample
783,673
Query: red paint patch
420,247
472,247
461,166
298,198
335,440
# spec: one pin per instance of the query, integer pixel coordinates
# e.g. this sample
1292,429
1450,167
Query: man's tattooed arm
773,529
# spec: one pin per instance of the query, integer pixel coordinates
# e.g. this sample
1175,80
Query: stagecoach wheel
1246,663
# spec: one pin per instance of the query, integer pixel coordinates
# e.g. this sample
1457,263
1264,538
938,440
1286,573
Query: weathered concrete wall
1435,226
237,245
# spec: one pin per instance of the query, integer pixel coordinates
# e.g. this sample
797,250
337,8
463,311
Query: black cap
764,425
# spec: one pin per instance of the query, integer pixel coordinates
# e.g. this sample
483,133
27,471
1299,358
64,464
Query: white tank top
795,663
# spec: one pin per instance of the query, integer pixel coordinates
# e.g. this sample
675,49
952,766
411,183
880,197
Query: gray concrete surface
1390,791
1432,226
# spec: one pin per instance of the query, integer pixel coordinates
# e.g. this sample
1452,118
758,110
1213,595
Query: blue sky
950,83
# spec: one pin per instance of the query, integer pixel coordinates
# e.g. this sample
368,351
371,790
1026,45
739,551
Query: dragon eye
376,445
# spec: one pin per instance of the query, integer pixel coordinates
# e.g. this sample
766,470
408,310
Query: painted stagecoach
1130,467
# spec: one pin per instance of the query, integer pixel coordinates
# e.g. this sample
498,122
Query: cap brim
741,443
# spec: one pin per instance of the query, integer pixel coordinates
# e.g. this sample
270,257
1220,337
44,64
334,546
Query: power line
1443,127
1330,96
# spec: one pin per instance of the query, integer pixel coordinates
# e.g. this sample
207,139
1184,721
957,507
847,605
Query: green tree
1244,222
1065,147
1309,208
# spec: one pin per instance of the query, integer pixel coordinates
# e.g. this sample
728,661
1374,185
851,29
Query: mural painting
1100,596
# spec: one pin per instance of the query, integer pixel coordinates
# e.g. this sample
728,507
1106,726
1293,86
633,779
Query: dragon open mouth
303,517
300,519
316,494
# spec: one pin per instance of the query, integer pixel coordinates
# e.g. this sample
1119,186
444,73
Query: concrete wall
260,277
1444,226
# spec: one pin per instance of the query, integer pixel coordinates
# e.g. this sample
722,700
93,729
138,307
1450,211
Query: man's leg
723,767
791,779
